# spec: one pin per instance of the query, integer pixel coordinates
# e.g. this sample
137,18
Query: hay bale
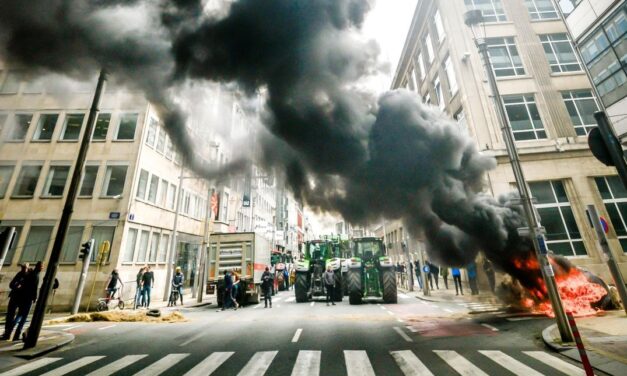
152,316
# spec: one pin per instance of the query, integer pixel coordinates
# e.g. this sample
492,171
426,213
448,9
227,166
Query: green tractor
318,255
370,272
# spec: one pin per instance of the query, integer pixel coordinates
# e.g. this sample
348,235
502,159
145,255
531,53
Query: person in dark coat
148,280
471,269
418,273
227,298
17,289
266,286
26,300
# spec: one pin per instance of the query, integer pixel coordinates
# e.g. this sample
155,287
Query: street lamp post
172,258
474,18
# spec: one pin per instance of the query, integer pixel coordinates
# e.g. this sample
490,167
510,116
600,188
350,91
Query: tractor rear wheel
337,291
301,288
389,286
354,286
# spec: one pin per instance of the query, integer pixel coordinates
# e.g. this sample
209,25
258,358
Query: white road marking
399,320
297,335
312,304
403,334
422,301
307,364
556,363
410,364
257,306
73,327
382,307
277,299
193,338
290,299
509,363
412,329
30,366
490,327
112,368
391,314
519,318
357,363
258,364
448,310
210,364
73,366
162,365
459,363
435,306
107,327
403,296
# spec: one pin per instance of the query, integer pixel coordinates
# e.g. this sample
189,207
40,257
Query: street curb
38,351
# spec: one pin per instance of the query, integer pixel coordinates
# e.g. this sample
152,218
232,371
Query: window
460,117
45,127
169,148
152,190
143,246
541,10
142,184
504,57
129,250
562,233
437,87
225,207
27,181
8,259
429,44
161,141
605,54
414,80
101,127
3,119
163,190
581,108
439,28
614,198
154,247
100,234
492,10
11,83
19,128
163,248
152,132
560,53
114,181
421,64
126,128
89,180
6,172
524,117
72,128
171,196
72,244
55,182
36,244
450,76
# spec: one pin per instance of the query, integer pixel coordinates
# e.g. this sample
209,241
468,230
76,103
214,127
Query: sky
388,24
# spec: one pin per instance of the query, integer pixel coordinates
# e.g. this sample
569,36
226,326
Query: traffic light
85,252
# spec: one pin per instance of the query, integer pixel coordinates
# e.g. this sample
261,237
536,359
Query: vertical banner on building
247,189
215,205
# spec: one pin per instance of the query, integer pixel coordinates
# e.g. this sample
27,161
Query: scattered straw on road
122,316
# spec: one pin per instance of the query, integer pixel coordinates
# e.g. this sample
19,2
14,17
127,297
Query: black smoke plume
338,149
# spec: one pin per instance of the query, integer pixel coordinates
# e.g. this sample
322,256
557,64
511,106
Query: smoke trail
338,149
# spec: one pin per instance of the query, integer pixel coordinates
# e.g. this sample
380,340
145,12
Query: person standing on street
435,271
138,293
177,283
489,272
148,280
472,278
266,286
227,299
31,286
329,283
235,290
457,279
418,273
17,290
444,272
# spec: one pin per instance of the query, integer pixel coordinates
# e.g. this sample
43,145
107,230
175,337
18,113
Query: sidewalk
605,339
482,303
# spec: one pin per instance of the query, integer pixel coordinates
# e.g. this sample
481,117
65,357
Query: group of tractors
361,267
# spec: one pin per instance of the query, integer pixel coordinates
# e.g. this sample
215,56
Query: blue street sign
542,245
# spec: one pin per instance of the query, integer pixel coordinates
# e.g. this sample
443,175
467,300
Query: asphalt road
412,337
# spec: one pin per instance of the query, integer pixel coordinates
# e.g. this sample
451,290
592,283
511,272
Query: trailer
246,254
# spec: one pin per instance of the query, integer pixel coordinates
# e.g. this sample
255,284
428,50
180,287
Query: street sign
542,245
114,215
604,224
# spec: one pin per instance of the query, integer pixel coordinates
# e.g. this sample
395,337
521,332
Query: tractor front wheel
354,286
301,287
389,286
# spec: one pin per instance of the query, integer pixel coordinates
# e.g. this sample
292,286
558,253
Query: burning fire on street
582,293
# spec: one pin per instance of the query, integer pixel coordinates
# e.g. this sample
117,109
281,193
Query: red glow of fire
576,291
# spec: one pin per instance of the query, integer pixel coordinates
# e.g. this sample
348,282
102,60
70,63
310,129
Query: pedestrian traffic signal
85,252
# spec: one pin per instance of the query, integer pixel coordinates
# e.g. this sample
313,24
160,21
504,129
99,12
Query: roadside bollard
582,351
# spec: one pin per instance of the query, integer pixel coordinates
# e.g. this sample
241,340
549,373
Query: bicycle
108,303
174,296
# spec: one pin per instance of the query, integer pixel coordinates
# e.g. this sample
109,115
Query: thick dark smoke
337,148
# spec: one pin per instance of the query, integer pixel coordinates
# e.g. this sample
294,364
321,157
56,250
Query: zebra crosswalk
483,307
307,363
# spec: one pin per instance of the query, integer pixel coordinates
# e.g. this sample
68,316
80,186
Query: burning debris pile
338,149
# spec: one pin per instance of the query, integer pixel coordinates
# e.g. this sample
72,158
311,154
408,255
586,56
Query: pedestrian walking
266,285
457,279
112,284
472,278
435,271
227,299
138,292
489,272
31,286
148,280
286,278
329,283
418,273
177,285
235,290
444,272
15,295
